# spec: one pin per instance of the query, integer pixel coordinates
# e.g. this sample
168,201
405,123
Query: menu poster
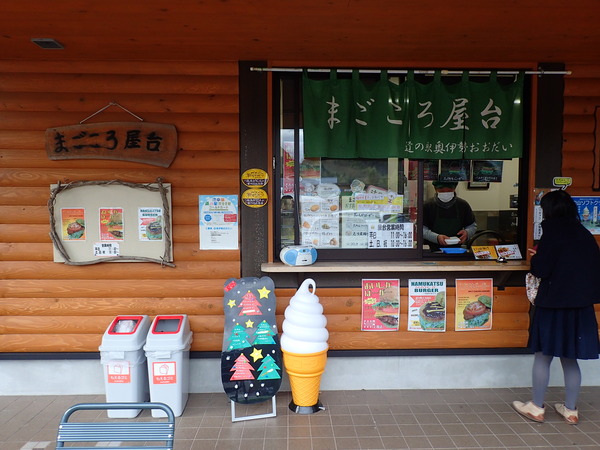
474,298
380,305
484,252
111,224
427,305
589,212
150,226
73,224
509,251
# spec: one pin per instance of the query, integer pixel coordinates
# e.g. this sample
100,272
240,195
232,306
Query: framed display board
108,221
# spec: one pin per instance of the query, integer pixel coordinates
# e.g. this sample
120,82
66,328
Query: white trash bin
124,362
168,354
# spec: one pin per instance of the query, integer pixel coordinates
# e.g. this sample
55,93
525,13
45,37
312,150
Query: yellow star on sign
231,303
256,354
249,324
264,292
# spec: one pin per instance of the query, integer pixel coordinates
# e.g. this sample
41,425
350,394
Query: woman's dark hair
559,204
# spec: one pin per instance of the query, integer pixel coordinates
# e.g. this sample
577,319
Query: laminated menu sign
380,305
509,251
427,305
484,252
474,299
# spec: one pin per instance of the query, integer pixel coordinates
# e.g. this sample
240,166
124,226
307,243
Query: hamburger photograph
381,306
387,313
432,315
477,313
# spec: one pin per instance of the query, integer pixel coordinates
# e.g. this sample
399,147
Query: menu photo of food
111,224
73,224
380,305
484,252
509,251
427,305
474,300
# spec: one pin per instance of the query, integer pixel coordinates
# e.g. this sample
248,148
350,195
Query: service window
370,208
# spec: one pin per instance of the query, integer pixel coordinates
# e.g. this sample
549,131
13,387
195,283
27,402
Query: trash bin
168,354
124,362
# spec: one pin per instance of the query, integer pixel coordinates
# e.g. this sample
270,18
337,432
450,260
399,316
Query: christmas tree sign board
251,362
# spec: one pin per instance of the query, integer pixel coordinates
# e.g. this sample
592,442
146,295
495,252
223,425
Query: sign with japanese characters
427,305
589,212
218,222
149,143
380,305
474,300
437,119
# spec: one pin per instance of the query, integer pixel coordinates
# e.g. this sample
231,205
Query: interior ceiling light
47,43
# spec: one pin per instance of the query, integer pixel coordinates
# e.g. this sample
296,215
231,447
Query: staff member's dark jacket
568,262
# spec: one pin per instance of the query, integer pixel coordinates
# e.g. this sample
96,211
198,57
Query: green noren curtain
458,119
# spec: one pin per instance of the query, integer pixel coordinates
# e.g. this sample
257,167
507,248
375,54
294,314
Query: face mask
445,197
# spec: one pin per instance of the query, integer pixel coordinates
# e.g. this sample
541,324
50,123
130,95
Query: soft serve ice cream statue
304,346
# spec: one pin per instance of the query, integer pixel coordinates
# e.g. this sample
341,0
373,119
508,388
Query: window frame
364,254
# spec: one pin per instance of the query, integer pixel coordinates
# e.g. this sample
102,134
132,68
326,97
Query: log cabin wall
51,307
581,130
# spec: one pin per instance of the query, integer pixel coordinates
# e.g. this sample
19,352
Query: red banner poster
380,305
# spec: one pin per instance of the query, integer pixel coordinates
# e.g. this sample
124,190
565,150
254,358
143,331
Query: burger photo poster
73,224
380,305
427,305
474,299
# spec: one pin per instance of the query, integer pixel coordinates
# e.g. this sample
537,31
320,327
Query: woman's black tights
541,378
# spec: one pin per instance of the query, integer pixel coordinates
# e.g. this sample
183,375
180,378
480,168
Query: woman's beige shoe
570,415
529,410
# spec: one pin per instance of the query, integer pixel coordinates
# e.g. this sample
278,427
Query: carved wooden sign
149,143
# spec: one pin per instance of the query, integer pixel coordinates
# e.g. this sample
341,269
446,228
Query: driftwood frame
158,187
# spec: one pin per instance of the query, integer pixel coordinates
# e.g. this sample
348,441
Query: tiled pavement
394,419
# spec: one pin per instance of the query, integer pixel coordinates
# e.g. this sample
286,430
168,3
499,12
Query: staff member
447,216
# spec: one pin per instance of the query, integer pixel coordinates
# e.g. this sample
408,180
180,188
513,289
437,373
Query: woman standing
564,325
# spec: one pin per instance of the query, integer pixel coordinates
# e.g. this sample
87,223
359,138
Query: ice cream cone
304,372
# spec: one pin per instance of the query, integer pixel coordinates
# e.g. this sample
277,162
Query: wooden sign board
149,143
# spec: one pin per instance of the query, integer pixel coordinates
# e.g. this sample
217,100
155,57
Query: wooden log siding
581,98
51,307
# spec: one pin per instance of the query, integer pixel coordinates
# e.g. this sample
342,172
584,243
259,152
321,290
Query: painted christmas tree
242,369
250,305
238,338
263,334
268,369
